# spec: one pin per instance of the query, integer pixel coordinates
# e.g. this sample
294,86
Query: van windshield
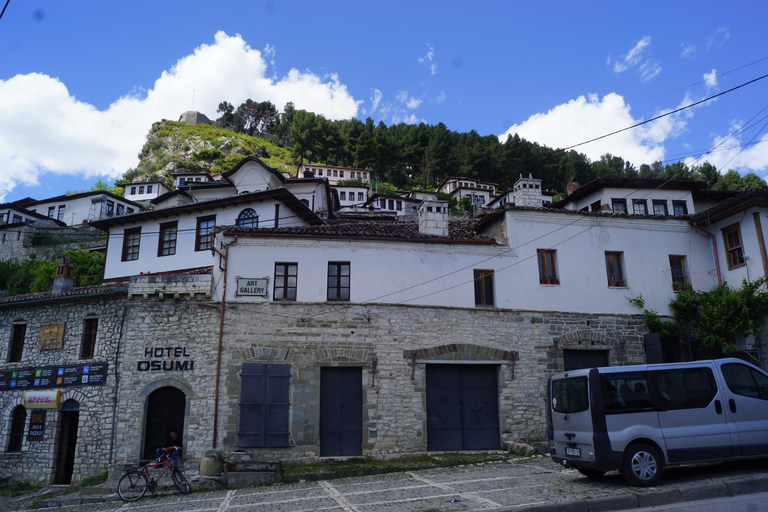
570,395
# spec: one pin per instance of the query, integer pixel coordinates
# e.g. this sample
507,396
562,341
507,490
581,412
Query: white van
638,419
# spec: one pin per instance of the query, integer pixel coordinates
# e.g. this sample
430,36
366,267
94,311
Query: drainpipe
117,381
221,307
714,249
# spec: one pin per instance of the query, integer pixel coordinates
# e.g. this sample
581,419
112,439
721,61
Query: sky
82,82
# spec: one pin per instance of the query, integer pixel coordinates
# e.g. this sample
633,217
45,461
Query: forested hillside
404,155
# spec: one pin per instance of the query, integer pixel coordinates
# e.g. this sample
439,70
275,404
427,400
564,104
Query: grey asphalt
526,484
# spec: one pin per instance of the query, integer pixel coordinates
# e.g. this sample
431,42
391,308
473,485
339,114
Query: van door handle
732,405
718,407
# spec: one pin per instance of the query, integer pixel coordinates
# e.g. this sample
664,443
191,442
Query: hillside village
292,314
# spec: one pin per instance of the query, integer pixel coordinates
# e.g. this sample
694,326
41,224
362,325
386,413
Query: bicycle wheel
132,485
181,481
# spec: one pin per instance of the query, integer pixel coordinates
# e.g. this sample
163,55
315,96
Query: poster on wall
36,425
42,377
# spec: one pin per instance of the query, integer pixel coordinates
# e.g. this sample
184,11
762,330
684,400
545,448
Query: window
343,196
62,208
319,172
685,388
141,189
166,245
627,390
677,269
18,419
547,269
341,174
90,328
390,204
149,189
204,233
733,248
335,174
745,381
613,266
483,287
120,209
110,208
619,205
595,207
338,281
399,206
639,207
51,211
360,197
264,405
679,208
16,218
131,240
570,395
286,276
129,211
133,189
18,331
248,218
659,207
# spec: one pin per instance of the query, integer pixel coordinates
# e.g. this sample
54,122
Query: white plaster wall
252,177
607,194
78,210
753,269
186,257
442,274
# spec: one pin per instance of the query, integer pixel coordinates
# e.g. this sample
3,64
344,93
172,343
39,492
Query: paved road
530,484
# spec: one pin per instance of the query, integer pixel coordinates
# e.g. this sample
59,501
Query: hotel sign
252,286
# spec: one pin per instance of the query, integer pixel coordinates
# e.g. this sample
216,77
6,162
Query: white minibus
639,419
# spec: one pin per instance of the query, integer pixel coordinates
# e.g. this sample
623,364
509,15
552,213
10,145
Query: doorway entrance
578,359
341,412
165,412
69,414
462,407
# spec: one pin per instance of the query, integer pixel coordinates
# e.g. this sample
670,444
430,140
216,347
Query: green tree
304,135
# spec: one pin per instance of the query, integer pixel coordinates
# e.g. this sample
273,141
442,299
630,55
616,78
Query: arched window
248,218
18,419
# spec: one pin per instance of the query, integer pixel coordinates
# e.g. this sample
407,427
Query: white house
398,205
333,173
480,193
79,209
351,195
191,178
144,192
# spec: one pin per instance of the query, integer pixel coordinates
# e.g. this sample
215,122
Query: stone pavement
533,484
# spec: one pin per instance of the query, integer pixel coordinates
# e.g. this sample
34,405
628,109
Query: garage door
462,407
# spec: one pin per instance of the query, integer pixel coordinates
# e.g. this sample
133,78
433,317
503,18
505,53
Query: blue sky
81,82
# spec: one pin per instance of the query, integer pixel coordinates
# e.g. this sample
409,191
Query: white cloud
710,80
588,117
410,101
712,42
428,59
734,153
637,58
43,128
375,100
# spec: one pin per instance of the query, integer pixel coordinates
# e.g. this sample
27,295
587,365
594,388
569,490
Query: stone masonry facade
37,459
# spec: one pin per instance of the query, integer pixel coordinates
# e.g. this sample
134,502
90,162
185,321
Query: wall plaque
254,286
51,336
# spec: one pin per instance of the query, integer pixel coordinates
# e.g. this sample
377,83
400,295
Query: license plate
573,452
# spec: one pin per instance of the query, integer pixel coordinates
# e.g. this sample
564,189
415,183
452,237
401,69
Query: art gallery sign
252,286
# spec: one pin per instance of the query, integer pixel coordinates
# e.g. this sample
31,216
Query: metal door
341,412
578,359
462,407
165,412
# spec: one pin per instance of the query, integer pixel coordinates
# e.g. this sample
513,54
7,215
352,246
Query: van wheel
643,466
591,473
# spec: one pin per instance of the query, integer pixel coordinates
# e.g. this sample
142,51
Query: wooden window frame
248,218
16,434
131,244
90,331
204,233
547,260
614,267
166,242
483,282
662,203
679,275
642,203
734,254
16,344
621,202
681,204
282,283
336,280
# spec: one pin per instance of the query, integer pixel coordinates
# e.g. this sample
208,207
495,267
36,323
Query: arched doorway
165,412
69,414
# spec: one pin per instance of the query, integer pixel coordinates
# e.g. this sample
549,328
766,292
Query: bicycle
133,485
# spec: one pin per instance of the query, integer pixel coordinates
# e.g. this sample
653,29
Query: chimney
65,272
572,186
433,218
527,192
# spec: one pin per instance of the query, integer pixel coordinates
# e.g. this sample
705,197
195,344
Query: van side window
623,391
745,381
688,388
570,395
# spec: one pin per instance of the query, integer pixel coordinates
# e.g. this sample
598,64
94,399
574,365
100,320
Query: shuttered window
264,405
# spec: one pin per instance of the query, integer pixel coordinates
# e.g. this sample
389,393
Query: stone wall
48,243
36,462
524,347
